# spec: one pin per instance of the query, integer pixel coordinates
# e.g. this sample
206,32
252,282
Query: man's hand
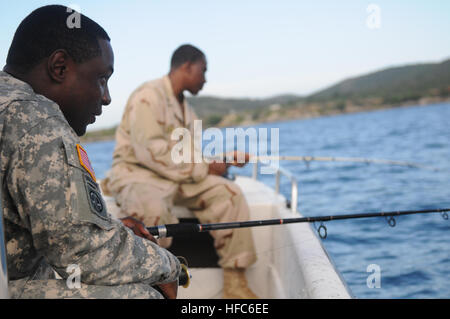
217,168
138,228
239,158
169,290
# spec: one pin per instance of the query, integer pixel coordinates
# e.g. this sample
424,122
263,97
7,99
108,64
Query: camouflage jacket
52,205
144,138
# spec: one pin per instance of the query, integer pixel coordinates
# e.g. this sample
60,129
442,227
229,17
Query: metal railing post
255,170
277,182
294,195
278,172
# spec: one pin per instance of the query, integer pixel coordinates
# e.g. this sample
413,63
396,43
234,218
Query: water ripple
413,256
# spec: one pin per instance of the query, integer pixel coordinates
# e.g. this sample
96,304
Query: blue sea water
413,258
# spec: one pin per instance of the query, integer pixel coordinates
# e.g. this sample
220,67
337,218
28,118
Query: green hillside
212,109
392,85
386,88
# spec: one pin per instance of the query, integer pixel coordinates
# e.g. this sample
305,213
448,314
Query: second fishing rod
170,230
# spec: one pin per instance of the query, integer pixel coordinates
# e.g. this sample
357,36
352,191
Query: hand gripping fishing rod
170,230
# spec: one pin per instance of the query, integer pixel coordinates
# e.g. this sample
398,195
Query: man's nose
106,100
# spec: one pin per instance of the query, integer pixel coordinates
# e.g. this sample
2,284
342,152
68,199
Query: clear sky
256,48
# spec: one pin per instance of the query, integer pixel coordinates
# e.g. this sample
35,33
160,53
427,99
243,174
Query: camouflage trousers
212,200
59,289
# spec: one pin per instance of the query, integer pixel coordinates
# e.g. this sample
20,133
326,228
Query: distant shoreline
239,119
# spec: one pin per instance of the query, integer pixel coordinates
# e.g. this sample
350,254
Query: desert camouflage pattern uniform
147,183
55,216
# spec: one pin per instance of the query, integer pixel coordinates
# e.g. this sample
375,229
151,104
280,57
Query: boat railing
278,172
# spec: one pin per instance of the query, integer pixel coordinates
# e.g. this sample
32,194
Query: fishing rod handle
170,230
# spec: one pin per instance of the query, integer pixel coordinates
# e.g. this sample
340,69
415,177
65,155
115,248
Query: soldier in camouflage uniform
53,212
146,181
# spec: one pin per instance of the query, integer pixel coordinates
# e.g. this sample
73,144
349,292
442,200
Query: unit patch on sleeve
96,202
84,161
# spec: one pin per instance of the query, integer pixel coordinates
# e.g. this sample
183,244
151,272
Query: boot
235,284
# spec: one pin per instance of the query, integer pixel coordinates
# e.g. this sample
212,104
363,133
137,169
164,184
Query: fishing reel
184,280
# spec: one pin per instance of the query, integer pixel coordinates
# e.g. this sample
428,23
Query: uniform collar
12,88
7,80
175,105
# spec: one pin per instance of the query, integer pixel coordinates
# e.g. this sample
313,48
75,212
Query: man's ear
186,67
58,64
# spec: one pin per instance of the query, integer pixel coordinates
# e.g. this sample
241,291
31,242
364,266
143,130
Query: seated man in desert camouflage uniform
147,182
52,87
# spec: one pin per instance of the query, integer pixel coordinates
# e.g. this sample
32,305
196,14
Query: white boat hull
292,263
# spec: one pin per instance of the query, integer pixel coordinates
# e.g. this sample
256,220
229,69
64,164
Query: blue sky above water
256,48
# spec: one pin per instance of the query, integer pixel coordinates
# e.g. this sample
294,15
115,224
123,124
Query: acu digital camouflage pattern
55,216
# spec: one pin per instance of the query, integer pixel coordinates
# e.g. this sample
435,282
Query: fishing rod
253,159
340,159
170,230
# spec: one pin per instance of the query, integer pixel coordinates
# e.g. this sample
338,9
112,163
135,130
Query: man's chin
195,92
80,131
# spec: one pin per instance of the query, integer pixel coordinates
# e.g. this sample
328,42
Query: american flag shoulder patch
84,161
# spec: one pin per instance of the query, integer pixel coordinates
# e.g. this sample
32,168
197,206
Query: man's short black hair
185,53
50,28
